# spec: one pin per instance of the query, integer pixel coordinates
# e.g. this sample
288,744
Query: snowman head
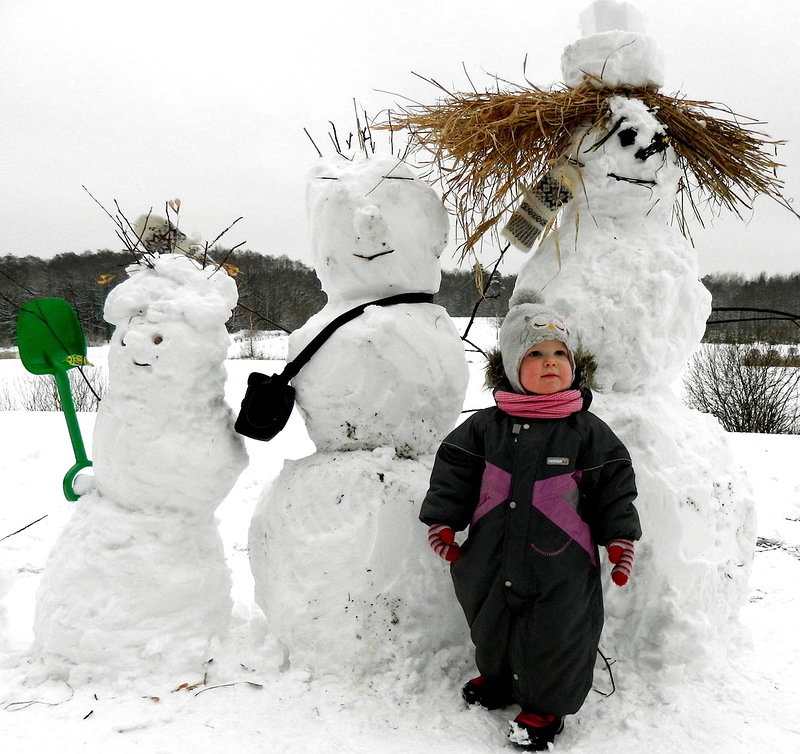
628,159
376,229
169,323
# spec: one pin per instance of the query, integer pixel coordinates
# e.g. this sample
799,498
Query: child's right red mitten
620,553
441,538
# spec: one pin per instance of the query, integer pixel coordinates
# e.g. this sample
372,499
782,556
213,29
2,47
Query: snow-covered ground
744,700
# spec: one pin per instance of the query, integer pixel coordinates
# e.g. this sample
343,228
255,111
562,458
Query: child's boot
487,695
534,732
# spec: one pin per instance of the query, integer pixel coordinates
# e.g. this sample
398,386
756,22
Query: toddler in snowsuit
540,482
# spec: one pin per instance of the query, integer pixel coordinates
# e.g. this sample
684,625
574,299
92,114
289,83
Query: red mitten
620,553
441,538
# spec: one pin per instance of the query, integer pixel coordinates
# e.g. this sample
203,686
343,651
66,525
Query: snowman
606,161
629,282
341,569
137,582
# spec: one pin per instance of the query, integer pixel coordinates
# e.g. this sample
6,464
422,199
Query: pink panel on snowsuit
557,498
495,488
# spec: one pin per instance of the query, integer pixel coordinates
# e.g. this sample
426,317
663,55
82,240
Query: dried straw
486,145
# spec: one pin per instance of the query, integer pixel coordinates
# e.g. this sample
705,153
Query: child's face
545,368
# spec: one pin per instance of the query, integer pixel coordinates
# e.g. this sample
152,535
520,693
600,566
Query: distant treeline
776,293
281,292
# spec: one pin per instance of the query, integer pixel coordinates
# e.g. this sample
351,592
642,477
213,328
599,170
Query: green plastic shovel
51,341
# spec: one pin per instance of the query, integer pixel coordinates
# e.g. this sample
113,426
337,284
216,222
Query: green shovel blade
51,341
48,331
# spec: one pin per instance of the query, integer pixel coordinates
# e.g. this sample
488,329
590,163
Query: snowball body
614,50
343,571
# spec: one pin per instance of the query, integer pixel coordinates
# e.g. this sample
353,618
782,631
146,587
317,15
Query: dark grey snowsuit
539,496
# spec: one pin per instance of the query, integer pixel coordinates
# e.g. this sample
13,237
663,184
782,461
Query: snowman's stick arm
483,292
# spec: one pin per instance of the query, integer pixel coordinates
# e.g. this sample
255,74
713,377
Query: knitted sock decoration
620,553
539,206
441,538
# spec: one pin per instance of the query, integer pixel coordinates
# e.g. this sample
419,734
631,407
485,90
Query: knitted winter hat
529,322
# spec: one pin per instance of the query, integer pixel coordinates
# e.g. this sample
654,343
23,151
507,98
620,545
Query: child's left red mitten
620,553
441,538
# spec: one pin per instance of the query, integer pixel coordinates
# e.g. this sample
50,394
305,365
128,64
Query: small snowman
137,582
341,570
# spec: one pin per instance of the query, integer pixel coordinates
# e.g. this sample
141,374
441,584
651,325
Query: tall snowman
629,283
137,583
601,165
342,571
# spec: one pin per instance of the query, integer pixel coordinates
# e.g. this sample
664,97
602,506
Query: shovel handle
69,479
67,404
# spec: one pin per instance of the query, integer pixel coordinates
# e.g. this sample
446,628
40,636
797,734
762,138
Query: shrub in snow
39,392
747,389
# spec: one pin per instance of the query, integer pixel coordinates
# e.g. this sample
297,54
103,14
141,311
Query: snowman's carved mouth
635,181
141,365
370,257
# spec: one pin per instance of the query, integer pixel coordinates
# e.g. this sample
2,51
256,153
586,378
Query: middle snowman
342,571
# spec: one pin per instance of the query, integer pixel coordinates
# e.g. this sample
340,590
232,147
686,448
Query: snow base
692,568
127,594
343,572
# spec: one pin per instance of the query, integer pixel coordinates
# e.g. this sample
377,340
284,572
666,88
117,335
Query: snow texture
613,51
392,378
626,279
610,15
338,551
335,542
138,577
628,283
248,700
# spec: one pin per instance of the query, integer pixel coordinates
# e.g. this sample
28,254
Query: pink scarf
554,406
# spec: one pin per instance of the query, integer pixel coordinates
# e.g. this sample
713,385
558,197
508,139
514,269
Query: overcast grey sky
146,101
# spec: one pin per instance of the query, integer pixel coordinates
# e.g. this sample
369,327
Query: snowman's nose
656,145
368,223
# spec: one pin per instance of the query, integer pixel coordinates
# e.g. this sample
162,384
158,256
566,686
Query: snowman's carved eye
157,339
627,136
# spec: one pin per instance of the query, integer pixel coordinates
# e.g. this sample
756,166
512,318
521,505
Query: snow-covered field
744,700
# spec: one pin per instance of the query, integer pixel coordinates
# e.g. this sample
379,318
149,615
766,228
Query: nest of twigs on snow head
486,145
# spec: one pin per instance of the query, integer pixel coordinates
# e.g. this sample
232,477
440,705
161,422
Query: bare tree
746,389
